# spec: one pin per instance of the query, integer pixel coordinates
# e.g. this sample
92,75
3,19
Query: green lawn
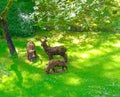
93,67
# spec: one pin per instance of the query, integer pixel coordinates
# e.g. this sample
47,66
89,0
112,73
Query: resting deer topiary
53,64
51,51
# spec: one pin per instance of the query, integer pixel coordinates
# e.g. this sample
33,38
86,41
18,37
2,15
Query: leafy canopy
76,15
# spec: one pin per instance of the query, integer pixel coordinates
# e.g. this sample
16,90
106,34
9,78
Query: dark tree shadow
14,67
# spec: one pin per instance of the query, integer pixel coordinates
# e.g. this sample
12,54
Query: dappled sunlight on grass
73,81
30,79
112,68
106,49
21,52
76,41
95,52
109,74
116,59
84,55
8,82
117,44
37,43
48,86
93,67
58,44
59,36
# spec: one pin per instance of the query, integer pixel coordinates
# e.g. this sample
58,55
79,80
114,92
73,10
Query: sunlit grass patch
117,44
73,81
93,67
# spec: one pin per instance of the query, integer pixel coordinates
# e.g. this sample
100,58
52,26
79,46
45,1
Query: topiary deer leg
54,70
35,54
29,56
65,57
66,67
63,68
50,57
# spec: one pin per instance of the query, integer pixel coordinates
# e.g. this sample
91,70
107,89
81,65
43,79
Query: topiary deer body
52,64
51,51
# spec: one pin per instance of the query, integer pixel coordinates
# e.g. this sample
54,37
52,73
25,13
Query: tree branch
4,13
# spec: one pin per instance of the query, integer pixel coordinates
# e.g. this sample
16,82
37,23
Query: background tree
5,30
77,15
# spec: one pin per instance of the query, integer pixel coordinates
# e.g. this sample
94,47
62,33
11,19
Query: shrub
18,17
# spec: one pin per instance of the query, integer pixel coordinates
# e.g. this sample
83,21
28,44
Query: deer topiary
51,51
53,64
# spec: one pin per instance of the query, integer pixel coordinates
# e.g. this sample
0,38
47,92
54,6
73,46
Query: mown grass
93,68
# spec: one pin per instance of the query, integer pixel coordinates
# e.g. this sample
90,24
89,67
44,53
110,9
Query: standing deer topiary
51,51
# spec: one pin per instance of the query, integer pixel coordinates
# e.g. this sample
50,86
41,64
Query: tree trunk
7,36
5,30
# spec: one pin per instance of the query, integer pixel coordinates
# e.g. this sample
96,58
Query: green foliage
76,15
19,21
93,68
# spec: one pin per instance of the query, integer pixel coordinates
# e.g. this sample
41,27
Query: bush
18,17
